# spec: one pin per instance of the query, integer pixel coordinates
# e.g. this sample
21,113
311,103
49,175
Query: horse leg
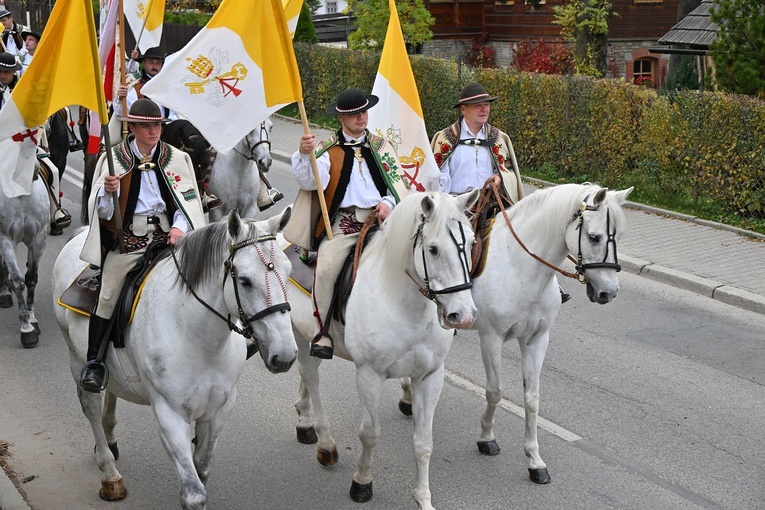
426,393
87,185
206,434
112,486
491,352
175,433
368,385
405,402
533,351
308,367
306,434
29,336
109,422
6,301
34,254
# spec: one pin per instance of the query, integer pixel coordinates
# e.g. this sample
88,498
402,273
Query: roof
696,30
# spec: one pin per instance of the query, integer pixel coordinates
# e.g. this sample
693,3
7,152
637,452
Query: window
642,72
331,7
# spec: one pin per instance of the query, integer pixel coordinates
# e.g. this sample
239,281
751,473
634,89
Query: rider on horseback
158,199
360,175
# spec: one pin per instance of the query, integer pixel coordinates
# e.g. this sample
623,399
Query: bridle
581,268
427,291
264,138
230,269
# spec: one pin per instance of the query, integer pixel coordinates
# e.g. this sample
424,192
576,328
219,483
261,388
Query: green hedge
701,149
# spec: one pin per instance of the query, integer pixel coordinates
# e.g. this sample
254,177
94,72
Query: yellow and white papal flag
292,13
233,74
398,116
65,71
145,18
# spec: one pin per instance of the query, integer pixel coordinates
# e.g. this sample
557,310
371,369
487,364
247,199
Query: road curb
10,498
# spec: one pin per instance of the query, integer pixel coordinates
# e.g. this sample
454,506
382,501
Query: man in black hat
13,42
158,200
31,39
360,175
470,151
8,76
152,62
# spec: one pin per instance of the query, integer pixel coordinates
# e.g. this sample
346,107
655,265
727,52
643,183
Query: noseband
264,138
464,261
230,269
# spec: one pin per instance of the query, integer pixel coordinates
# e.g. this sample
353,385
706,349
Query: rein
426,290
581,268
251,147
230,268
368,223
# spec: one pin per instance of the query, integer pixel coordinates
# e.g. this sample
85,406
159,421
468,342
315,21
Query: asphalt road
654,401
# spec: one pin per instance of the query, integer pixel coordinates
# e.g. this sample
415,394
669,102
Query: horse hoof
112,490
307,435
6,301
327,457
36,325
405,408
540,476
29,340
361,493
488,447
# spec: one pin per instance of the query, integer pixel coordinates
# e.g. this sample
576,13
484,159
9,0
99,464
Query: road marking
74,176
505,404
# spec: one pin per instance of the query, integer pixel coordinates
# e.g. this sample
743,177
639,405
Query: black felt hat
34,34
144,110
8,62
154,52
474,93
4,13
351,102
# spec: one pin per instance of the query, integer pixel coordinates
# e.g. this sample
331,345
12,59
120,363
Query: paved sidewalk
708,258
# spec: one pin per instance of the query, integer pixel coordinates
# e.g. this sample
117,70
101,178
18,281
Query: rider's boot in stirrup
94,374
322,346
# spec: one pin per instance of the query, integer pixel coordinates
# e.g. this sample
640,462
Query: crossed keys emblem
203,68
410,164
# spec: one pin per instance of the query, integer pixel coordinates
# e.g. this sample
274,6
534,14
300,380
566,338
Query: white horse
517,294
180,355
422,250
235,177
23,219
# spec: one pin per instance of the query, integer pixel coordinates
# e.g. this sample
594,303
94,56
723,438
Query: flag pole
115,198
317,178
119,53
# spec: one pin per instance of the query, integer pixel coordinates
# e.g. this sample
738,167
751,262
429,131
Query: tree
313,5
304,31
372,20
739,52
584,24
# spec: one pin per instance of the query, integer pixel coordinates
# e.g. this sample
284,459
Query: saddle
486,210
303,269
82,295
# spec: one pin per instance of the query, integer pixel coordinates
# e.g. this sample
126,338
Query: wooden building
638,26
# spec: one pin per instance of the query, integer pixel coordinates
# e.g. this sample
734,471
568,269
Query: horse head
256,146
437,257
593,235
254,273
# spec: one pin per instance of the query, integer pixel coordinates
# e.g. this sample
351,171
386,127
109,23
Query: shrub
480,53
546,57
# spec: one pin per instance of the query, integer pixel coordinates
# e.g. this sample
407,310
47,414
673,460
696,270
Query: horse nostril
454,318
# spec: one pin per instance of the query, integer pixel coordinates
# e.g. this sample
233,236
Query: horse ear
235,225
600,196
277,223
621,196
468,200
427,205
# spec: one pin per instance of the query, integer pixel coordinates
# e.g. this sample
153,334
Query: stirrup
210,202
274,195
75,145
64,220
92,366
322,351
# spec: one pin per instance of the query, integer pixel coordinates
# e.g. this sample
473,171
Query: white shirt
469,166
25,61
150,201
132,97
361,191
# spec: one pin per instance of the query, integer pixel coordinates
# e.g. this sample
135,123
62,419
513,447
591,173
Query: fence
333,27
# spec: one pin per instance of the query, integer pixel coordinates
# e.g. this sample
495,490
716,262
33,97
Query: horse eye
433,250
595,238
245,282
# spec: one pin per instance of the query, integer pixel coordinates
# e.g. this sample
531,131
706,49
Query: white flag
145,18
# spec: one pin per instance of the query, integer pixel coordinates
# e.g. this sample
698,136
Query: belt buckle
152,220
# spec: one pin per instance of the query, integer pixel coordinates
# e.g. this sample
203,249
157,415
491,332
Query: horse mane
201,253
391,249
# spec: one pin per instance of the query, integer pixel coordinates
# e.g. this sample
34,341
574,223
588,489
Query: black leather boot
95,375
